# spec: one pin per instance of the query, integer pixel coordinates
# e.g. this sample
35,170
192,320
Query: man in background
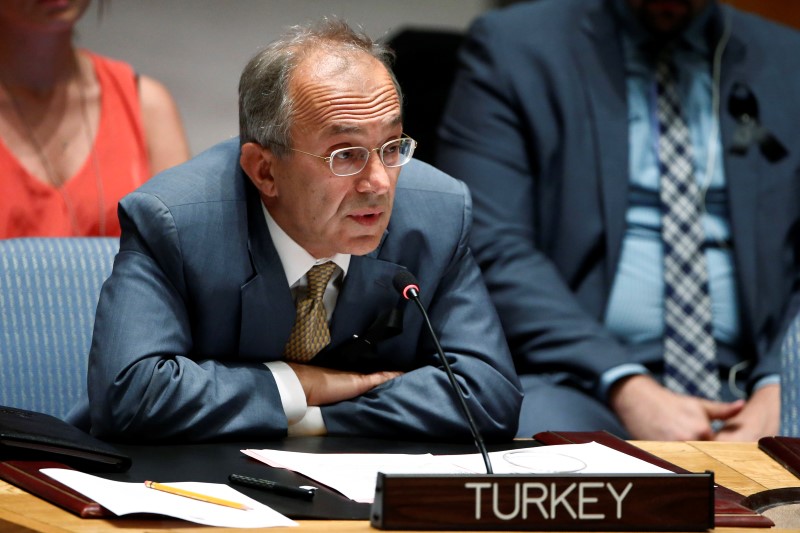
634,166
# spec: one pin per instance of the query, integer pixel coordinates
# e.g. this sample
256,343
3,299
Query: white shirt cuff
293,398
303,421
311,425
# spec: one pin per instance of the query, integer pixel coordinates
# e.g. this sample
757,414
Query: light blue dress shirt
635,312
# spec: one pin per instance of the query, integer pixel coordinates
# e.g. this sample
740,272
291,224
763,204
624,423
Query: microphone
406,284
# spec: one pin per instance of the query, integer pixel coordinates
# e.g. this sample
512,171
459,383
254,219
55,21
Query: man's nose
375,177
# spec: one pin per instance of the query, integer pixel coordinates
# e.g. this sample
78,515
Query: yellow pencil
195,495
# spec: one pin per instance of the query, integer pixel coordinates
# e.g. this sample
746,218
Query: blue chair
790,381
48,296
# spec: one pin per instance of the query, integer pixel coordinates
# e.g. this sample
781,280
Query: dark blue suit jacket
537,128
198,301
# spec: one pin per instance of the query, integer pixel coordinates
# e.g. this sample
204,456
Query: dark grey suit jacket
198,301
537,128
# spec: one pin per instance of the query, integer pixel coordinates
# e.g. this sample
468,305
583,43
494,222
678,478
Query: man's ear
256,162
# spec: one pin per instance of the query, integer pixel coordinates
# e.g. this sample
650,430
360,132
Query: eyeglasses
352,160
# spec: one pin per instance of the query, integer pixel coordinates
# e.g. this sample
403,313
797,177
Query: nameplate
651,502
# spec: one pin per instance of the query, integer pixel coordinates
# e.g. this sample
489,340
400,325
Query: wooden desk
739,466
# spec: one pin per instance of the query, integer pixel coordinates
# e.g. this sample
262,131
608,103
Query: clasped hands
651,412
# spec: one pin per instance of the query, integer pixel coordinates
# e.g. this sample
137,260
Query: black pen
277,488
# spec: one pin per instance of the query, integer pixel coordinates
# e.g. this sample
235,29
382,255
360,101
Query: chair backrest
790,381
425,68
48,296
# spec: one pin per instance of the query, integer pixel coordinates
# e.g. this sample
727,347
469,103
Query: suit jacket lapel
366,293
604,81
268,310
741,173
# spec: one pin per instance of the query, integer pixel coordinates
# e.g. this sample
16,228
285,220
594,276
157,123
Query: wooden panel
697,459
750,462
784,11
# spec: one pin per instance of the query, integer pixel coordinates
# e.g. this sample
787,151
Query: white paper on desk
124,498
354,474
589,458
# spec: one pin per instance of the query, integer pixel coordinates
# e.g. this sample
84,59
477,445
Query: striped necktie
690,365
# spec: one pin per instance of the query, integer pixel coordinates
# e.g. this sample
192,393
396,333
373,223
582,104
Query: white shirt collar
295,259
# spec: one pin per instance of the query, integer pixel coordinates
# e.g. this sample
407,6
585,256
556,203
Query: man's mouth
367,216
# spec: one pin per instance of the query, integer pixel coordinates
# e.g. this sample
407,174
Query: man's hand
649,411
325,386
759,418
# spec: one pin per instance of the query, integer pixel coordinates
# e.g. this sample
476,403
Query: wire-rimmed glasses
352,160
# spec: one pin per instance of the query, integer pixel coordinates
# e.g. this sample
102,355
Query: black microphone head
406,284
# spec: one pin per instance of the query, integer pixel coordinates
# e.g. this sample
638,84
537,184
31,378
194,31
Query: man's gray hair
265,105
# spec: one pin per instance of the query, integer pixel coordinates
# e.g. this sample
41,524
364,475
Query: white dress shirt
303,420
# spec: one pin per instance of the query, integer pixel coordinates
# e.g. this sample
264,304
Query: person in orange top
78,131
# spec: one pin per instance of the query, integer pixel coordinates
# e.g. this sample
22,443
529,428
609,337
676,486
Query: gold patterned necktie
310,332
